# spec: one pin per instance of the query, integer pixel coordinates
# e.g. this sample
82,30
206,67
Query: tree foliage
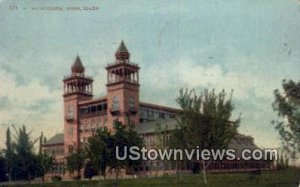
25,162
205,121
89,170
75,162
45,163
101,148
9,154
133,139
97,151
21,161
287,106
3,169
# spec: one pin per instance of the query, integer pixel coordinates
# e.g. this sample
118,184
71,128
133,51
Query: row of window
93,120
116,103
54,152
157,140
147,113
58,169
91,127
93,109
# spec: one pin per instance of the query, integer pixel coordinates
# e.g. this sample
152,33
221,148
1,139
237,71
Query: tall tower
122,88
77,87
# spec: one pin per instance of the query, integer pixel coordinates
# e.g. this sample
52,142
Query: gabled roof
56,139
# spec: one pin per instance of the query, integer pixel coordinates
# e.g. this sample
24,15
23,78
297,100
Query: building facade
84,113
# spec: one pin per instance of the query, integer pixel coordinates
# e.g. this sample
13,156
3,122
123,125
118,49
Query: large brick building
83,113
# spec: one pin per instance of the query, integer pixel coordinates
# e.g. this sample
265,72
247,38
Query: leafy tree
89,170
25,161
41,142
97,151
75,162
178,141
45,163
3,168
118,139
101,148
9,153
287,106
21,159
133,139
282,162
205,120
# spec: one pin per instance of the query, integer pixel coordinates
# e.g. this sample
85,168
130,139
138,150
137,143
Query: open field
286,178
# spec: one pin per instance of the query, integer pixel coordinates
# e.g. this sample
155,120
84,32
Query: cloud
253,90
215,45
32,104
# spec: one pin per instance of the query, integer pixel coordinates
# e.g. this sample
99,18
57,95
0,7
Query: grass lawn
283,178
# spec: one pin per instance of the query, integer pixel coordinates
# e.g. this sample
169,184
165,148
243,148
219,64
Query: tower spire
122,54
77,67
77,82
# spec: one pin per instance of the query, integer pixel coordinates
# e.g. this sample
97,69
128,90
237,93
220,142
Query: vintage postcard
155,93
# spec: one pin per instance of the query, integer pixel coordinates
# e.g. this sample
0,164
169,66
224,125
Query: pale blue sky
245,45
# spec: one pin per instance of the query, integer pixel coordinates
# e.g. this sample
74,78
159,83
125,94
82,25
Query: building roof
241,142
56,139
160,107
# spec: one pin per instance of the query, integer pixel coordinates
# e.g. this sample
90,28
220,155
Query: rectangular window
116,102
131,103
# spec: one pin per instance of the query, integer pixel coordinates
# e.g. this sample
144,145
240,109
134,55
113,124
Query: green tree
178,141
9,153
89,170
118,139
287,106
25,161
75,162
3,168
45,163
41,142
101,149
133,139
206,120
98,152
